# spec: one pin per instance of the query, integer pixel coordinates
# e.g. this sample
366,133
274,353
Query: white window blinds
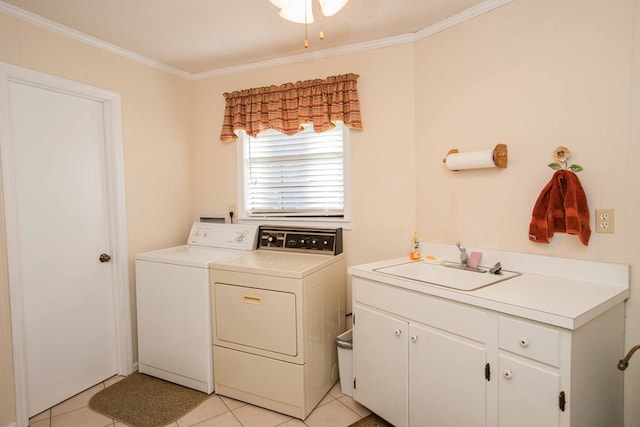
298,175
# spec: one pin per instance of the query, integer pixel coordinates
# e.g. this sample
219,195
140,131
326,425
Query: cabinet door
447,382
528,394
380,364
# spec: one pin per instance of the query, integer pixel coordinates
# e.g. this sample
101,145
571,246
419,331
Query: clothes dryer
276,314
173,303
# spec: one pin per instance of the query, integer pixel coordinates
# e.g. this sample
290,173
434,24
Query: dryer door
256,318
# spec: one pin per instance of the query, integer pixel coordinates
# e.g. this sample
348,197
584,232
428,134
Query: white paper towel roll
470,160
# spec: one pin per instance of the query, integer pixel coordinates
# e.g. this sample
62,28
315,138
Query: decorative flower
562,154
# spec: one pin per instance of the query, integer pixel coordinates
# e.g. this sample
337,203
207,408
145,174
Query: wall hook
562,154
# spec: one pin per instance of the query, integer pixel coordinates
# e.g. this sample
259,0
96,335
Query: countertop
561,292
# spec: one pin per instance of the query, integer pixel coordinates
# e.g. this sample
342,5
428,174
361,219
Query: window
301,177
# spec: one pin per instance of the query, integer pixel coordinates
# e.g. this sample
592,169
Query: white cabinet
529,375
447,385
411,373
528,394
423,360
381,365
559,377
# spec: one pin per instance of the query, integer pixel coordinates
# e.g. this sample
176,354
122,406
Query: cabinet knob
414,338
507,373
524,342
398,332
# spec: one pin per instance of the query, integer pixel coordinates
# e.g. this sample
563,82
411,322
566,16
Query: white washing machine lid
189,255
275,263
207,242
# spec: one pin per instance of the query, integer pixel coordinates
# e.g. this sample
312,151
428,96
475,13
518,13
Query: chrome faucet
464,258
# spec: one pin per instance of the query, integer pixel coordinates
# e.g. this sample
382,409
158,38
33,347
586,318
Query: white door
447,385
63,227
380,364
528,395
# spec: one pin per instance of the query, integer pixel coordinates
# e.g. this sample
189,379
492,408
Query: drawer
529,339
456,318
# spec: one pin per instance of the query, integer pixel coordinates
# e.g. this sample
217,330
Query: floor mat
140,400
371,421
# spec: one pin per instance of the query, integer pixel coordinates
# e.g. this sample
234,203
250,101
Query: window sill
344,223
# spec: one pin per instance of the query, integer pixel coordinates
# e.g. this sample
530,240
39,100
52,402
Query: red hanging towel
562,207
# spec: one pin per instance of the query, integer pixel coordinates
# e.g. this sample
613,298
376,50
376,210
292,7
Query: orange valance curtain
286,107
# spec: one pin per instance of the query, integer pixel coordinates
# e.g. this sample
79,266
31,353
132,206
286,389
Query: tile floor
335,410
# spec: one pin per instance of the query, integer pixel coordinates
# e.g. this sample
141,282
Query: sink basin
460,279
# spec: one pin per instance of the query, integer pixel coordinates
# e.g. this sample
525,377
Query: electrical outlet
604,221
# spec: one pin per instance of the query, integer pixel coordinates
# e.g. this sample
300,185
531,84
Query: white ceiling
197,36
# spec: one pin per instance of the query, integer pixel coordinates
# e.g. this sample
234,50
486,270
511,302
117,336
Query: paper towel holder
499,155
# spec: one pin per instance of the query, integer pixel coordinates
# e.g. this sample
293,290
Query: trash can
345,361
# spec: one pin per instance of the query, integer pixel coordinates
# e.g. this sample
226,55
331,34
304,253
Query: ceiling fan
301,11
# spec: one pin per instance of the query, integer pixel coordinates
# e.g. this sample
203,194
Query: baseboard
13,424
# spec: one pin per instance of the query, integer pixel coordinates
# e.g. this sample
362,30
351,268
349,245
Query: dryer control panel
301,239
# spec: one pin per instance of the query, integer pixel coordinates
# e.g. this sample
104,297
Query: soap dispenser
414,255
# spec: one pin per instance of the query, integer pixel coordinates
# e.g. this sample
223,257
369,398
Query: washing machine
276,313
173,303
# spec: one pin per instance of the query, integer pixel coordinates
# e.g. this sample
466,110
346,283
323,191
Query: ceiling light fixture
301,12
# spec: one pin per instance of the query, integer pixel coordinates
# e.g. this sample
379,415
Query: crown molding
308,56
85,38
465,15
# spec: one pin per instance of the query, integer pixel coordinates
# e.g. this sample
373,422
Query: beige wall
157,148
533,74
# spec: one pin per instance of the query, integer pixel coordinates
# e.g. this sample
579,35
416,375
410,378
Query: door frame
116,219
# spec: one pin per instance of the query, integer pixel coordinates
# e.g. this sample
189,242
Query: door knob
105,258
